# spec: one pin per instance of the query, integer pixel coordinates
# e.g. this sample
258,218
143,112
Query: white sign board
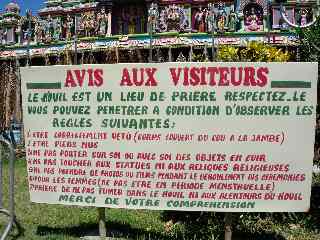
235,137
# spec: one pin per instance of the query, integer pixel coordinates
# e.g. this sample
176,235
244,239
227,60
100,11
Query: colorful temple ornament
128,24
11,25
174,18
153,15
253,18
200,19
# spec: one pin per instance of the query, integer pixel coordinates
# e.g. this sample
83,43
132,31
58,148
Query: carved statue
173,18
253,21
92,25
200,20
304,14
80,29
38,31
88,24
48,31
232,22
25,35
57,31
221,18
282,23
18,31
102,20
153,16
210,18
68,26
221,22
82,24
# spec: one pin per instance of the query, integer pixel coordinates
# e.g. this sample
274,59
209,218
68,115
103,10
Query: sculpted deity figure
102,20
81,21
57,29
48,31
210,18
18,31
173,17
282,23
68,25
304,14
92,25
153,15
86,24
252,21
221,18
38,32
232,23
200,20
25,35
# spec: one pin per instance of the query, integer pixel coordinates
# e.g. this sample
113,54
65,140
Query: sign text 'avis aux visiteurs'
230,137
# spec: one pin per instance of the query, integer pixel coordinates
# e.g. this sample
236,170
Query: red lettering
125,81
95,77
223,71
135,76
194,76
203,76
148,72
212,74
69,80
186,76
80,74
262,77
151,81
249,76
234,81
98,75
174,75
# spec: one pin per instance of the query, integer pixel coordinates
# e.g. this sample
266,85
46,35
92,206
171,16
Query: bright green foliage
310,42
228,54
199,57
253,52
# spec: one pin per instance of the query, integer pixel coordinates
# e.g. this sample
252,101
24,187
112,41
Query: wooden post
102,223
18,109
1,173
75,40
117,54
109,22
29,18
169,55
205,52
228,226
190,54
150,44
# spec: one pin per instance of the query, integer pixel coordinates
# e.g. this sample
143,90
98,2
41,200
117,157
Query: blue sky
34,5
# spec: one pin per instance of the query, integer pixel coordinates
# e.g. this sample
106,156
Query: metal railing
10,212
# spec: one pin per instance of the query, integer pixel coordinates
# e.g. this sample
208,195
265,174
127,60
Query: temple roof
12,7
